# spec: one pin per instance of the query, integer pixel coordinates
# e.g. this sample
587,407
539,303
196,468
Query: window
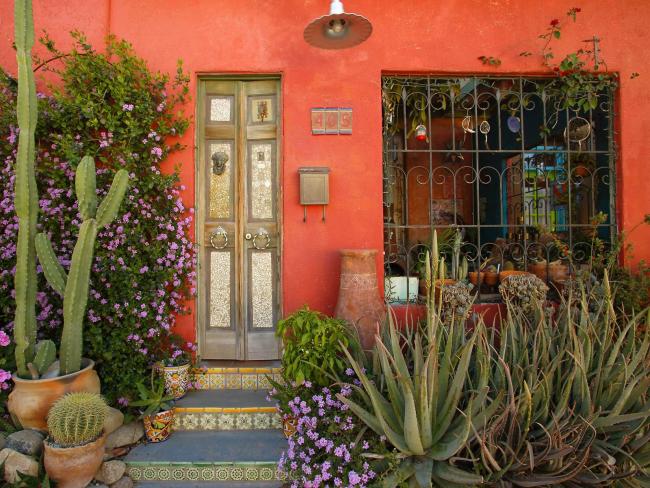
502,160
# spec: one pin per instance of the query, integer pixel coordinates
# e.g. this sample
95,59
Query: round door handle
220,232
248,236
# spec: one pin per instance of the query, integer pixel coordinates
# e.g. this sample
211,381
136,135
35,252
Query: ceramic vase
158,427
359,302
74,467
177,379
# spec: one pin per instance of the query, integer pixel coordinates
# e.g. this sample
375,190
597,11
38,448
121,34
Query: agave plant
434,386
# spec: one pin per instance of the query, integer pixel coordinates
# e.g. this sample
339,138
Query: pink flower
4,339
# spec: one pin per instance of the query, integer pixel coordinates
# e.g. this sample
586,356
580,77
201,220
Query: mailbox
314,187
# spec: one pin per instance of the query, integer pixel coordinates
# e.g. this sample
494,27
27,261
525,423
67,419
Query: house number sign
331,121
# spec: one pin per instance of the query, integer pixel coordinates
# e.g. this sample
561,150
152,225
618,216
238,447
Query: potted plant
74,450
175,367
526,291
157,411
40,380
583,164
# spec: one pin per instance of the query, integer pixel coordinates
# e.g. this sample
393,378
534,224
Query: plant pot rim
90,364
49,445
186,365
158,413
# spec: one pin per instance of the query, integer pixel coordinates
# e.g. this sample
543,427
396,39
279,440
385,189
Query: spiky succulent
456,302
77,418
526,291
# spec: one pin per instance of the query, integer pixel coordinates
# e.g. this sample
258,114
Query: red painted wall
437,36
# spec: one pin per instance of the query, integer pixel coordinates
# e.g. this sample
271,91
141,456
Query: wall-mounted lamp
314,188
338,30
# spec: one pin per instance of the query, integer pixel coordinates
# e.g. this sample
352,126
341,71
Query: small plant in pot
74,450
175,367
157,410
40,380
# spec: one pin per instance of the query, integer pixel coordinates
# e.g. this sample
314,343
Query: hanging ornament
421,133
514,124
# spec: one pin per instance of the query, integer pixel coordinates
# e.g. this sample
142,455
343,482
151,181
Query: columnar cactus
26,193
76,419
74,285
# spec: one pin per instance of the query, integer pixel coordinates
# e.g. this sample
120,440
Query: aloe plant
73,286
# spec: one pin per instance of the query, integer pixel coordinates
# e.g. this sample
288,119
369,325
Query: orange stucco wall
437,36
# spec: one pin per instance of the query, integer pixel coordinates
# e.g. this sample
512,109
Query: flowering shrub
110,106
329,445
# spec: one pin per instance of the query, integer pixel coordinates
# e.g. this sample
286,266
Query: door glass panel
220,289
261,180
220,109
219,160
262,283
261,109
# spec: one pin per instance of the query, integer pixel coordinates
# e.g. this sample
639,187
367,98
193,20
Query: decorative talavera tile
201,380
217,381
249,381
233,381
216,472
263,382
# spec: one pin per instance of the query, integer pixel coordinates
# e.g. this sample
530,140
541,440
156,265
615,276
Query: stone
3,441
111,472
124,482
17,464
114,420
125,435
26,441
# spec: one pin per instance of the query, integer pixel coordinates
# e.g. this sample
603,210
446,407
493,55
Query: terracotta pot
359,300
538,269
558,272
176,380
74,467
474,278
31,400
491,278
158,427
581,171
503,275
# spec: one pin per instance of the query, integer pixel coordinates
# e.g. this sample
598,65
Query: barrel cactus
76,419
73,286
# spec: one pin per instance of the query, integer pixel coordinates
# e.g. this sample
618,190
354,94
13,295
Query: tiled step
225,410
215,456
248,377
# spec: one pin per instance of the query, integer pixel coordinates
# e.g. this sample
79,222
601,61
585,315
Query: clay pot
474,278
491,278
31,400
581,171
158,427
558,272
503,275
359,301
538,269
176,380
74,467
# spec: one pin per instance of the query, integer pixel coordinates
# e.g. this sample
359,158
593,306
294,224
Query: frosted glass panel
261,192
220,299
221,109
262,289
219,156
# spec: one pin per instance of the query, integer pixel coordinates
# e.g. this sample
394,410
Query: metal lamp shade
338,30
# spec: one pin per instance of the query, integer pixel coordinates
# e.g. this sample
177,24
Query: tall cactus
25,191
74,285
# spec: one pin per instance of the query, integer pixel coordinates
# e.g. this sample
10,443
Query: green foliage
109,105
26,192
631,288
153,400
76,419
313,347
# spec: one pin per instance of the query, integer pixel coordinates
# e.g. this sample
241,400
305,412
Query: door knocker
219,232
219,160
261,234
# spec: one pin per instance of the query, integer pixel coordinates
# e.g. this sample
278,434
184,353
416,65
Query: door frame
200,194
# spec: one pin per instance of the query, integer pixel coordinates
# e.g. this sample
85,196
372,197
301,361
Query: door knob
248,236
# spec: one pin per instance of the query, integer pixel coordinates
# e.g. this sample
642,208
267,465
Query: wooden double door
238,172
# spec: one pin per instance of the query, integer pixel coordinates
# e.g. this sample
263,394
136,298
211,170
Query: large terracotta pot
74,467
359,300
30,400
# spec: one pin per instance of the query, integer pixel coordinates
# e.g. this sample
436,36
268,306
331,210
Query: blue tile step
214,410
213,456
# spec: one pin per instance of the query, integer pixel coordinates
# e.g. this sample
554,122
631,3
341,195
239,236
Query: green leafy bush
314,345
111,106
